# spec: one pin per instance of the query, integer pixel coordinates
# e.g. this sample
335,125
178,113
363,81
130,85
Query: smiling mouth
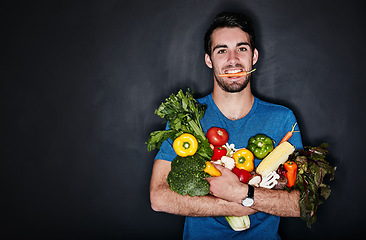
233,71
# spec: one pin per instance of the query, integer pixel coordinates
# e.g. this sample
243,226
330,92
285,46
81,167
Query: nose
233,58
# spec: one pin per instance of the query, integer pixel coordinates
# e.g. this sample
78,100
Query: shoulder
273,111
280,120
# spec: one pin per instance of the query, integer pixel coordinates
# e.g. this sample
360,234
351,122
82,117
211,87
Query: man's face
230,53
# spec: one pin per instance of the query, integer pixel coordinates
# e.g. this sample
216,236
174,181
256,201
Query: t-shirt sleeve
166,151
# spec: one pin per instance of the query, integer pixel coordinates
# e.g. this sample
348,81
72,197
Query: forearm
165,200
277,202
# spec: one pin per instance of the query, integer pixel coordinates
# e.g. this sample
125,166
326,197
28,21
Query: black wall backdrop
80,81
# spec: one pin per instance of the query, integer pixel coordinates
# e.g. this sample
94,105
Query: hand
227,186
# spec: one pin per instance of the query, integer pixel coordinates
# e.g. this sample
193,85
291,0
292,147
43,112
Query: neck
234,106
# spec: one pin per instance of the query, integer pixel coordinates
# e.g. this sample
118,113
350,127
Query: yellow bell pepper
244,159
185,145
212,170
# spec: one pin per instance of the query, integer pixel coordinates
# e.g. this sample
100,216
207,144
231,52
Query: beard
232,86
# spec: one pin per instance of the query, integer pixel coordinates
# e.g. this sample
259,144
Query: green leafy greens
311,170
183,114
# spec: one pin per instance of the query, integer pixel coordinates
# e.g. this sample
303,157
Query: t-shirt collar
251,112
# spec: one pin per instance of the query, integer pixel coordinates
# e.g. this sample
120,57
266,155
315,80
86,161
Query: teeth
233,71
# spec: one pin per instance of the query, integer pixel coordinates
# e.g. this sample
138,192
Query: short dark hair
230,20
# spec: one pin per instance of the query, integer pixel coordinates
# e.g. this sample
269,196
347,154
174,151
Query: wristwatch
249,200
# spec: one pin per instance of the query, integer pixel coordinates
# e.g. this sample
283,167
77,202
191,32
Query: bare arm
165,200
276,202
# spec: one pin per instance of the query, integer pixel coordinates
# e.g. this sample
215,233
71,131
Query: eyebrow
243,44
225,46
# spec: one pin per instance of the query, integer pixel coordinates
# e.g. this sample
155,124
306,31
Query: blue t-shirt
266,118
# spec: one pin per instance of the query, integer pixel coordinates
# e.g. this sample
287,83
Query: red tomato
217,136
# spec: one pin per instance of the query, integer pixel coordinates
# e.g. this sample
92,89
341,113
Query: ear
255,56
208,60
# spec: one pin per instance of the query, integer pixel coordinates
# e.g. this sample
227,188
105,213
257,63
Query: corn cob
274,159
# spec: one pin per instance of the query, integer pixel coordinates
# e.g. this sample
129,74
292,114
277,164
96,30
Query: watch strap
250,191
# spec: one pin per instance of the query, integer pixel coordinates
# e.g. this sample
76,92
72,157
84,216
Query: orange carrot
238,74
288,135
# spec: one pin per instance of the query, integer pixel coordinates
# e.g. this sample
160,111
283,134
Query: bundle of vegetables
281,168
311,170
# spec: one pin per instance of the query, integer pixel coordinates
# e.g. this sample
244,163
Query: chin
233,87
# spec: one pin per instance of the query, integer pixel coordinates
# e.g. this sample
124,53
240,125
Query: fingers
222,169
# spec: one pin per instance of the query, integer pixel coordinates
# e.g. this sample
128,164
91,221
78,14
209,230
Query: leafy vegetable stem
311,151
197,129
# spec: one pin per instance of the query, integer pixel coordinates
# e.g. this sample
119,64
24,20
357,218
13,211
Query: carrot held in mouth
238,74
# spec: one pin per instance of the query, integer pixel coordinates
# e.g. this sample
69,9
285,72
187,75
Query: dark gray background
80,81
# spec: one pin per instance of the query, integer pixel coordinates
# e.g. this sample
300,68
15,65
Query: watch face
247,202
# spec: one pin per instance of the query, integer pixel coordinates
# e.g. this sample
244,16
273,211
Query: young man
230,47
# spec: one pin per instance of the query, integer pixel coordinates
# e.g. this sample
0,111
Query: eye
221,51
242,49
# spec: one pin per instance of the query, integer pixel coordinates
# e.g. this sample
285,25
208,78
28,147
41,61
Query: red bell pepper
218,153
242,174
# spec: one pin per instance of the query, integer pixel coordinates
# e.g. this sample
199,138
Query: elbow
156,201
155,206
